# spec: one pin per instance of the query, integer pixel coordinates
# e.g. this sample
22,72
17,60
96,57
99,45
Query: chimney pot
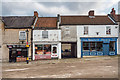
36,13
91,13
112,12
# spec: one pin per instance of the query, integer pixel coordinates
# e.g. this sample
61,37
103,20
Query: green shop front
98,46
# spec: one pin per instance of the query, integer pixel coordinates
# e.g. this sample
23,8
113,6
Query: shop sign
9,46
105,40
16,46
37,57
19,49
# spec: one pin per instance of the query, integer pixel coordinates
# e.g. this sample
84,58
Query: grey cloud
27,8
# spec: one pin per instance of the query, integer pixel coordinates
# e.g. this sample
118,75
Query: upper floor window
67,31
108,30
22,35
44,34
85,30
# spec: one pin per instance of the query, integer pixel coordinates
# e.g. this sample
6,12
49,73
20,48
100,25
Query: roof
46,22
117,17
86,20
18,21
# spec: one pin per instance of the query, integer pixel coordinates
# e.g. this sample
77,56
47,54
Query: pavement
87,67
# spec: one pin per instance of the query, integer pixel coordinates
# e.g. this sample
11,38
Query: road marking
108,66
70,66
17,69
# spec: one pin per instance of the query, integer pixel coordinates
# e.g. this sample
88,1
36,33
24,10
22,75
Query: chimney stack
36,13
91,13
112,12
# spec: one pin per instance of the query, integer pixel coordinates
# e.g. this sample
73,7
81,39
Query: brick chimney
36,13
91,13
112,12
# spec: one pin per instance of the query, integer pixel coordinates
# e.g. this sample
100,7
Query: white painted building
97,35
46,44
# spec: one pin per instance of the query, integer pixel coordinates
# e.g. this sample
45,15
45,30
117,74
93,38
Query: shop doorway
69,50
17,54
54,51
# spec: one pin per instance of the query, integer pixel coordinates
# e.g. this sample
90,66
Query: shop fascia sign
15,46
99,39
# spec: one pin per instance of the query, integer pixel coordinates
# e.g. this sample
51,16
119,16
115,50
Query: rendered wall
11,37
53,35
68,33
92,29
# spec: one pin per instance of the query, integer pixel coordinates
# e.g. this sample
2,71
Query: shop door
12,55
54,51
106,48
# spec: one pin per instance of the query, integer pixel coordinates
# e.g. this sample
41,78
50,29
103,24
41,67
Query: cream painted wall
11,37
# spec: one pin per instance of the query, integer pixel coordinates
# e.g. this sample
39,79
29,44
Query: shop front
46,44
46,51
98,46
17,53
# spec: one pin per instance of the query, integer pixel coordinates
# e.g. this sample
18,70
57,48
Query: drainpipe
58,20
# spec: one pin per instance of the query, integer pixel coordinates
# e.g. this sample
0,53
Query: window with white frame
67,31
86,30
108,30
22,35
44,34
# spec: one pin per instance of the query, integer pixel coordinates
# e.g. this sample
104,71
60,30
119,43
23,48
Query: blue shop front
98,46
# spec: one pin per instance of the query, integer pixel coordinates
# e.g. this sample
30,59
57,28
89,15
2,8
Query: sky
53,7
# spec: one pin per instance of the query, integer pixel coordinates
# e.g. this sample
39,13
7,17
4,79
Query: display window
99,46
42,49
85,46
92,46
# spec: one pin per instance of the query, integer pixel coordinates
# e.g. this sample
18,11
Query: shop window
44,34
99,46
22,35
85,30
54,50
42,49
92,46
112,46
85,46
108,30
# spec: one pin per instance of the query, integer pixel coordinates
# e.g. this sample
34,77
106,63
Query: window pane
43,49
47,49
44,34
85,46
54,49
22,35
85,30
99,46
38,49
92,46
112,46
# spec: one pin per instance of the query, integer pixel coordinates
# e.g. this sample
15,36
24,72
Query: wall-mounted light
97,33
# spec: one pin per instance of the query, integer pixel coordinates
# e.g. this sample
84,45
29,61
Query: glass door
54,51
